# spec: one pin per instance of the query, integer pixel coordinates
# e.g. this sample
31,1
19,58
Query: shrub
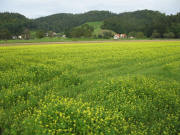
155,34
107,34
132,34
140,35
5,34
83,31
169,35
100,36
40,34
178,35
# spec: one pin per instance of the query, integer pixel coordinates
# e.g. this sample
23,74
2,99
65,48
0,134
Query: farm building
118,36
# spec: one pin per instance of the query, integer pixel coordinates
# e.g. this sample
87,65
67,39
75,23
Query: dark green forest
145,23
150,23
63,22
14,24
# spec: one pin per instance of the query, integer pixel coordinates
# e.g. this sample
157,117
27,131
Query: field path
73,42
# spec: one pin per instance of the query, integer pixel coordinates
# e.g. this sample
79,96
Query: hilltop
64,21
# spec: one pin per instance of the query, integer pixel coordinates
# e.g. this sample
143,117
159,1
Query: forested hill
145,21
14,23
11,18
64,21
148,23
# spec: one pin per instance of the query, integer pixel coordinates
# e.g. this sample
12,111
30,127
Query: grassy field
97,28
90,88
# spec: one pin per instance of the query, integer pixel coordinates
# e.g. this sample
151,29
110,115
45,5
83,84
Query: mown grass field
90,88
97,28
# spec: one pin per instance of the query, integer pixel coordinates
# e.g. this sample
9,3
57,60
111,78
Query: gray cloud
37,8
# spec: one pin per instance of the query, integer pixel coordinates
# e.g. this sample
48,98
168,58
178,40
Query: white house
116,36
19,37
123,36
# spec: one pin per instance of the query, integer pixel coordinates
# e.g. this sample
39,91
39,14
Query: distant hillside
62,22
145,21
148,23
14,22
11,18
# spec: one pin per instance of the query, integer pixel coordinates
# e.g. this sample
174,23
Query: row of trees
5,34
155,34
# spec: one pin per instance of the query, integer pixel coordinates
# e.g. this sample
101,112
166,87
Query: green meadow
107,88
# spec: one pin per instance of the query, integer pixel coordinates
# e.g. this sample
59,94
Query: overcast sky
38,8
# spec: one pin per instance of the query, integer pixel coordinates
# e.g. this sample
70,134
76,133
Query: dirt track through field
77,42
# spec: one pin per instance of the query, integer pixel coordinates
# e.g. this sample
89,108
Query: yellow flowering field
107,88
